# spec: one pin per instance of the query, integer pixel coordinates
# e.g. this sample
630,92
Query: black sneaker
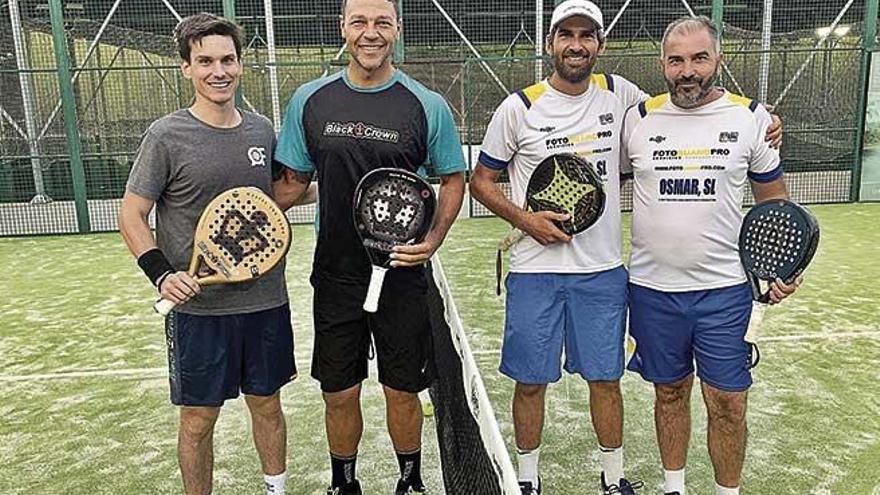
672,493
624,487
353,488
410,487
526,487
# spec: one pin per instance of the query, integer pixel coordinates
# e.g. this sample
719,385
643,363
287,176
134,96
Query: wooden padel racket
392,207
562,183
241,235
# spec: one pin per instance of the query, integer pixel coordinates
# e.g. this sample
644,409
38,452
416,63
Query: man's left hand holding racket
173,285
241,235
449,202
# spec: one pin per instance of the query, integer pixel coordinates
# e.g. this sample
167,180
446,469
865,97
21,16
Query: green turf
78,304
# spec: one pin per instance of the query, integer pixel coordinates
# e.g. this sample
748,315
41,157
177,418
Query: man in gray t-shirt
223,339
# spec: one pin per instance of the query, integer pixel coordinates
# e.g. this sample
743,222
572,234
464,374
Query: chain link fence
805,57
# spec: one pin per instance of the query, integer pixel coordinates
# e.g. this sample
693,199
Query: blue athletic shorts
673,329
583,313
212,358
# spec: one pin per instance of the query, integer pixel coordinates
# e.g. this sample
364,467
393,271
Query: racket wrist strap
155,265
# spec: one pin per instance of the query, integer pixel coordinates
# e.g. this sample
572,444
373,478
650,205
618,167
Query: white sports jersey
540,121
690,169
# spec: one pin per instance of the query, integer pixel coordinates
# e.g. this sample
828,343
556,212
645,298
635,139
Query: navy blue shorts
213,358
583,313
400,330
673,329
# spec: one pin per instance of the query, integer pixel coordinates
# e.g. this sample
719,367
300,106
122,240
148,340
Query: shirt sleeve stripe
766,176
524,98
610,82
493,163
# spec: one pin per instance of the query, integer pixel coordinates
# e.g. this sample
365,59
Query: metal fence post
71,129
400,47
718,16
869,43
229,13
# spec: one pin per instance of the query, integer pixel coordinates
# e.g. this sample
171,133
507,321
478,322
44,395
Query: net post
71,129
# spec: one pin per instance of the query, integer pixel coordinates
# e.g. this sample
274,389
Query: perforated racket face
241,235
392,207
566,183
778,239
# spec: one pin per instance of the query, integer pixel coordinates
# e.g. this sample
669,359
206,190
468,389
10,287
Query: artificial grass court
84,395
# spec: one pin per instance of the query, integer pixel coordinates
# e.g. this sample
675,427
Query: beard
573,75
690,99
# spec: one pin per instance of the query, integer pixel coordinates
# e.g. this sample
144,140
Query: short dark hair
195,27
392,2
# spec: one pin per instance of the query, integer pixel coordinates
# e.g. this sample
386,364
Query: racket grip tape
164,306
371,303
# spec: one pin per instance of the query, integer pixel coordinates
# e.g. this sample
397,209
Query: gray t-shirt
182,164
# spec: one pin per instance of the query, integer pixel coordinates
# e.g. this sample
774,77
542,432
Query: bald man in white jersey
692,151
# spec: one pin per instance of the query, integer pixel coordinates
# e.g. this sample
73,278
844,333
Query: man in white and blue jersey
692,152
563,291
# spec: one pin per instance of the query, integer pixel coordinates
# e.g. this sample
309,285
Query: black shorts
400,329
212,358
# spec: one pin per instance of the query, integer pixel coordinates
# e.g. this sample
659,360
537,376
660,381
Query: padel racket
392,207
778,238
241,235
562,183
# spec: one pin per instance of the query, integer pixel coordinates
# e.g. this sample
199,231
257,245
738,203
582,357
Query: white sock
612,464
721,490
674,481
528,465
275,484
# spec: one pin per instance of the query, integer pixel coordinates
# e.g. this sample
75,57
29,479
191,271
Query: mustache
688,80
571,53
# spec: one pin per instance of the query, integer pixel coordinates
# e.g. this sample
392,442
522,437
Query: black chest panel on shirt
349,133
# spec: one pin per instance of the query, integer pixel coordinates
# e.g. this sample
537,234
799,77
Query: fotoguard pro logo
564,142
671,154
360,130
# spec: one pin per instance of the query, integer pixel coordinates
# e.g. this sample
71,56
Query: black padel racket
563,183
392,207
778,239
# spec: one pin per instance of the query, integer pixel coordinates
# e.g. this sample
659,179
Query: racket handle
512,238
371,304
164,306
755,321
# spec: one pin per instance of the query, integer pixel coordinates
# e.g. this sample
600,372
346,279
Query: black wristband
154,264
